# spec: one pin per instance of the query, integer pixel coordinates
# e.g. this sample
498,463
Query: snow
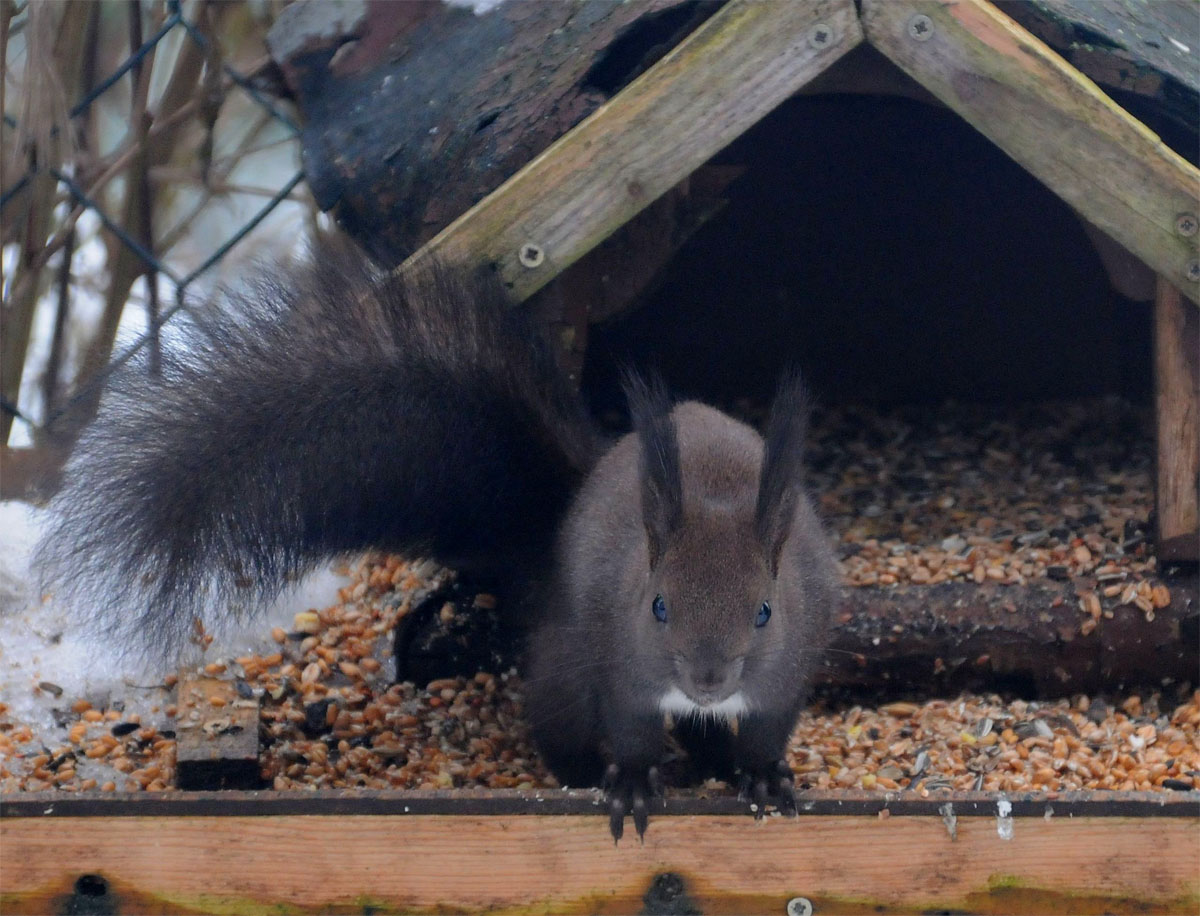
478,6
41,641
44,642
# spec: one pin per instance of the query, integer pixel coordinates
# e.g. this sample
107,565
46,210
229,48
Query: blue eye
764,614
660,609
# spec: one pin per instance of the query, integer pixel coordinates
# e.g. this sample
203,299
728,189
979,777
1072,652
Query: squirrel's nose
709,678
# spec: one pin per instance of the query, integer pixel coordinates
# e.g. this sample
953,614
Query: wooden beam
610,278
681,802
961,636
1052,120
717,83
1177,417
217,735
949,860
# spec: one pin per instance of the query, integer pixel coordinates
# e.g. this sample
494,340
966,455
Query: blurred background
142,164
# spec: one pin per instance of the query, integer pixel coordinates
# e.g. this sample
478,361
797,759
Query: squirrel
678,571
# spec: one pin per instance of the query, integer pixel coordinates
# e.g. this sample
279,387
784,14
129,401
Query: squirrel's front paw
628,790
760,784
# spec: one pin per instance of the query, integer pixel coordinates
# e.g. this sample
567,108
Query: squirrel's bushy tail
311,417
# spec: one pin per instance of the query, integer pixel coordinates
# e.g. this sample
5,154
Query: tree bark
415,112
959,636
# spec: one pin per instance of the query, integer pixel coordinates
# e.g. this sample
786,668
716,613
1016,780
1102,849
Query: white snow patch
44,642
478,6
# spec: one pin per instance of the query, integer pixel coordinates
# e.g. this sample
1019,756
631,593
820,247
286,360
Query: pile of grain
937,494
332,719
918,496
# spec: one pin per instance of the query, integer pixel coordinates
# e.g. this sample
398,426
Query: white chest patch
677,703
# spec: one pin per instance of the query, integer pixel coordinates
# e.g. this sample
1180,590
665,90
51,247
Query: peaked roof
749,57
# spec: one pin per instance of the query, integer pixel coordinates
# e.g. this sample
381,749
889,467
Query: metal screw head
531,255
1186,224
820,36
920,27
1193,271
799,906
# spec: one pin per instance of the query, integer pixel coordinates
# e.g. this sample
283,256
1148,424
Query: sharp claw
760,786
616,818
628,794
641,816
760,798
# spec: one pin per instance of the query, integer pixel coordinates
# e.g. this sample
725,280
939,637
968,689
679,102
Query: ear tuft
659,470
782,472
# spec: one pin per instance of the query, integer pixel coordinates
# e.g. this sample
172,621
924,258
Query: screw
1193,271
799,906
531,255
820,36
1186,224
920,27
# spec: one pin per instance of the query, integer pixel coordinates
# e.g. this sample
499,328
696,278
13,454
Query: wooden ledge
535,802
464,853
472,852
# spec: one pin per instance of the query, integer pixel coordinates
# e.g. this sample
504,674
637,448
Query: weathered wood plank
426,108
217,736
570,864
1051,119
1177,416
545,802
610,277
1156,37
716,84
962,636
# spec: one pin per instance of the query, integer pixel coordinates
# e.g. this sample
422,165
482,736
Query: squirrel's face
715,615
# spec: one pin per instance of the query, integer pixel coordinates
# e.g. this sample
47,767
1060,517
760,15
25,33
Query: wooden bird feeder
572,146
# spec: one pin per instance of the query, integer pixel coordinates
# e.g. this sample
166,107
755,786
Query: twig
16,319
140,120
175,176
7,11
123,262
50,380
125,154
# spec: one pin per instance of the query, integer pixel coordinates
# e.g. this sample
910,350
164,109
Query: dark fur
782,467
658,465
310,417
601,662
343,411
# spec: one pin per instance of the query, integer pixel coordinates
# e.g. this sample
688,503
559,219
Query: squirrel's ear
658,464
782,472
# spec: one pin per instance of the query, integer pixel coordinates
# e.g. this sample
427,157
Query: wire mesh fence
193,119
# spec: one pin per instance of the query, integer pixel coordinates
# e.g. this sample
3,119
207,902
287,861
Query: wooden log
1134,47
417,852
431,140
415,111
1027,639
1052,120
1177,416
1033,640
716,84
680,802
216,744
